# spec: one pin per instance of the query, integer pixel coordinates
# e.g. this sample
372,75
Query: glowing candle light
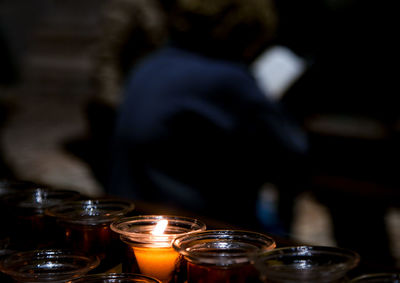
149,242
160,227
159,260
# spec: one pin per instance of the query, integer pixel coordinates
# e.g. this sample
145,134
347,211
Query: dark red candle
86,227
28,227
222,256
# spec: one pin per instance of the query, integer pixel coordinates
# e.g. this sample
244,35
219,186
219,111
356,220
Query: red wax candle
232,274
27,225
222,256
86,226
92,239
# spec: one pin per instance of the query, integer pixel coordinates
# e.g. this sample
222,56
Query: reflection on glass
378,278
47,265
311,264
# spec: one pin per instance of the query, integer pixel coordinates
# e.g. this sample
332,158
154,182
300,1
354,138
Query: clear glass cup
377,278
115,278
85,226
311,264
51,265
27,225
222,255
150,252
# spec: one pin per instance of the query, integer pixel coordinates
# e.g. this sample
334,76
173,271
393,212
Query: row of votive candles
77,235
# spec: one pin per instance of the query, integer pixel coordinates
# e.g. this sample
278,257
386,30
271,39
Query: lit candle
159,260
149,241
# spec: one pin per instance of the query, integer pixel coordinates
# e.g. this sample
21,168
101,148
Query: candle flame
160,227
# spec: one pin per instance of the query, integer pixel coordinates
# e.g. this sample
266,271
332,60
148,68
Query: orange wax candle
149,241
158,262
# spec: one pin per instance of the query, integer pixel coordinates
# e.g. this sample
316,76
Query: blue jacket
198,132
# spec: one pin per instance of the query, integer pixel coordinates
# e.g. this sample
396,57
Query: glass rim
192,246
137,229
307,249
381,275
26,258
303,266
38,198
100,277
95,211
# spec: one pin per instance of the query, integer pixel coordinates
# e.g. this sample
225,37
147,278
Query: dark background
44,98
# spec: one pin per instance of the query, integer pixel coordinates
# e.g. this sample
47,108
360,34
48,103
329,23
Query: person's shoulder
180,68
197,61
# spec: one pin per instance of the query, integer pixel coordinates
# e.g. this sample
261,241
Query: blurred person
194,131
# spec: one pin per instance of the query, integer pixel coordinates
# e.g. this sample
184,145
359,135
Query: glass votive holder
222,255
311,264
148,244
51,265
27,225
115,278
377,278
85,225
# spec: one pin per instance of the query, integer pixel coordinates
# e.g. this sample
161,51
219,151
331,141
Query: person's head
229,29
